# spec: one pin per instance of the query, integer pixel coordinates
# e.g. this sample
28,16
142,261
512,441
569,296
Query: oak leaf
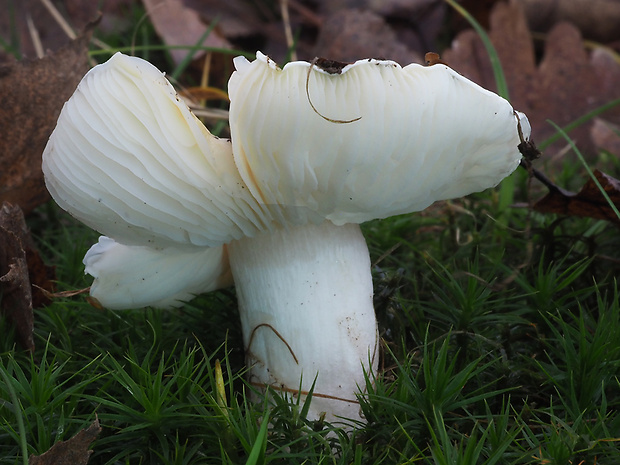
568,82
74,451
596,19
588,202
350,34
33,93
179,25
20,267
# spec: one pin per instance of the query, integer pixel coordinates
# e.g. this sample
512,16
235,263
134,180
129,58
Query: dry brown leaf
588,202
401,29
74,451
44,27
25,280
567,84
33,93
235,18
16,303
382,7
596,19
606,136
178,25
351,34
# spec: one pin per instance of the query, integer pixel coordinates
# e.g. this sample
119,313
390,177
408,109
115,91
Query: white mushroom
314,152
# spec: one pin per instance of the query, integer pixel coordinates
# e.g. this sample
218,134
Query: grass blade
498,71
18,414
257,455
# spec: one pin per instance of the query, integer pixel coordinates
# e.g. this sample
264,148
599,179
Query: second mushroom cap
371,141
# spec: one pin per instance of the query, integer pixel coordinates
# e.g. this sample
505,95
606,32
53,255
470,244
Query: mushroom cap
130,160
381,140
141,276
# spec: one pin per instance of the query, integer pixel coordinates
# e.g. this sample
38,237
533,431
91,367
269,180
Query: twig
288,33
64,25
34,35
306,12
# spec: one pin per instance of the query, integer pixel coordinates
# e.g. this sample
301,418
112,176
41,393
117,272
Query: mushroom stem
305,301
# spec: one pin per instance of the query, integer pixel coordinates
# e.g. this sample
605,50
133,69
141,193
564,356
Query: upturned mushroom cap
140,276
381,139
130,160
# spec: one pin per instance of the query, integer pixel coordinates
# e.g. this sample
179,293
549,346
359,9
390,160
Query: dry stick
36,38
59,19
386,254
530,152
288,33
337,121
68,30
53,295
213,113
307,13
204,78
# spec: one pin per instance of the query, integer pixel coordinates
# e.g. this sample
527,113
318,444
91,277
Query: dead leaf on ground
74,451
588,202
25,280
236,19
351,34
568,83
33,93
398,30
16,302
179,25
596,19
606,136
43,27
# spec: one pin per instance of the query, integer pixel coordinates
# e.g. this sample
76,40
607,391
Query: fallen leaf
179,25
385,8
25,280
588,202
606,136
596,19
568,83
33,93
30,22
351,34
395,29
16,303
236,19
74,451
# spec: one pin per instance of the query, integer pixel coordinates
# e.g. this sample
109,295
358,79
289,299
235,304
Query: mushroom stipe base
306,308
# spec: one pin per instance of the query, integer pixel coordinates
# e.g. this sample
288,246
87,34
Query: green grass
500,336
500,346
